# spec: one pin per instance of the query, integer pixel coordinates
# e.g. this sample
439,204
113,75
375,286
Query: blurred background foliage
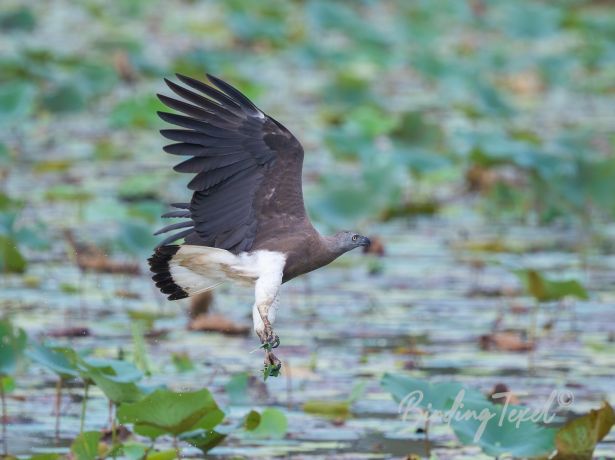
403,107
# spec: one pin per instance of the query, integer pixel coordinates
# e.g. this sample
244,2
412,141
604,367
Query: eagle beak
365,242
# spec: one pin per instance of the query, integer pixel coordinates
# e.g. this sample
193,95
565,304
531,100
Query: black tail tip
159,266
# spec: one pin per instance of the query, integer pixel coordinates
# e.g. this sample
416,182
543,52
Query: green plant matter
495,433
167,412
545,290
578,437
12,345
334,409
63,362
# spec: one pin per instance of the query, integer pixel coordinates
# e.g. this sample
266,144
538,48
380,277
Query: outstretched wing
247,166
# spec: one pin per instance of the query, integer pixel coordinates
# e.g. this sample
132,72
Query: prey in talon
246,222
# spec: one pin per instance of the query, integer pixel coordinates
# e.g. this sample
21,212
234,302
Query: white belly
199,268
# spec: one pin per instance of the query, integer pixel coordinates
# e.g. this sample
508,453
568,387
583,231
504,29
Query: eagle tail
182,271
159,264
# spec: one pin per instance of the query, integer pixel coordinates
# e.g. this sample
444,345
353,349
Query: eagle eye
355,237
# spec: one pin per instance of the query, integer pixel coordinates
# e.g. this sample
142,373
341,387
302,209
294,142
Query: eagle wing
247,167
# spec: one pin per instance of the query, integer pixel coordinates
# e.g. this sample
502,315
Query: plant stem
4,419
58,408
113,432
426,429
84,403
176,447
533,333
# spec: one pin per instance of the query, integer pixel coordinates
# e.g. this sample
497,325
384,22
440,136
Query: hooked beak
365,242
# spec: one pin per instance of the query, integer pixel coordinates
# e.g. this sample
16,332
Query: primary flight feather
246,222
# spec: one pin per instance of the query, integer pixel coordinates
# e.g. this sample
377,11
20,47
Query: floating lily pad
167,412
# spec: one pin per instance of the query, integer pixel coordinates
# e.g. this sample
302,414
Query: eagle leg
268,338
263,314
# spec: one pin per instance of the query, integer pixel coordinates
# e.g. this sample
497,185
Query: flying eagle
246,222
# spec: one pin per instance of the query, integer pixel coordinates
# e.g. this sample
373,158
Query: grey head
345,241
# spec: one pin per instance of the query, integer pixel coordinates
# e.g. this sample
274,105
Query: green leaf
45,457
16,102
135,237
167,412
12,344
273,424
147,317
577,439
115,378
371,121
357,391
19,18
498,433
333,409
204,440
428,396
182,362
414,129
168,454
237,388
123,370
134,450
7,383
67,192
61,360
140,356
64,98
141,187
137,112
545,290
85,446
11,260
252,420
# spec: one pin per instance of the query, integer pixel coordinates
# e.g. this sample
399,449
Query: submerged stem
84,403
58,403
113,432
176,447
533,334
4,419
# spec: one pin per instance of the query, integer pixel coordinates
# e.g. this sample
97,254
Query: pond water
421,308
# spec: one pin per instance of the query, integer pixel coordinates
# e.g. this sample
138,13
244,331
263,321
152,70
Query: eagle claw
274,342
272,366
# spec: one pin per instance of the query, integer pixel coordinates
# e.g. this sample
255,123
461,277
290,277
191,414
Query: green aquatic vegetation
272,424
489,427
86,446
11,259
136,112
182,362
63,362
174,413
578,437
237,388
12,345
16,102
19,18
335,409
116,379
546,290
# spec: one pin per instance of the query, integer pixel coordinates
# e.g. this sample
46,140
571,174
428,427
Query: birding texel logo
482,413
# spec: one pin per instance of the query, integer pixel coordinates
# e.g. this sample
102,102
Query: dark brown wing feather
247,166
